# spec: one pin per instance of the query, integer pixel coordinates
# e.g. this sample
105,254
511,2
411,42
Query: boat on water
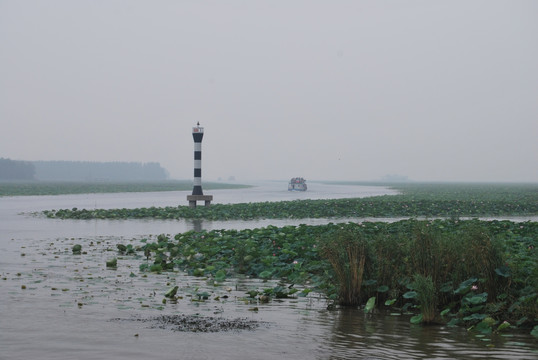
297,184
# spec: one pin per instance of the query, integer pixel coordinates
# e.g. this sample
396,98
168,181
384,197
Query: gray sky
341,90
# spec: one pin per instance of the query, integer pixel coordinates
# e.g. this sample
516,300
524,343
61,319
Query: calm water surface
55,305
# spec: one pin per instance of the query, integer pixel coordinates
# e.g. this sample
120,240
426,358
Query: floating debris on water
197,323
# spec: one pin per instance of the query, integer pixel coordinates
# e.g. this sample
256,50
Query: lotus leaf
503,271
475,317
465,286
534,331
383,288
171,292
417,319
77,249
112,263
503,325
475,299
198,272
370,304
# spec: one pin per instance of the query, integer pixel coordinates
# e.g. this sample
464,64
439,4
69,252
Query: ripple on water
64,311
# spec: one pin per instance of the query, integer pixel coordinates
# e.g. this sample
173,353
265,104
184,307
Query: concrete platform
192,199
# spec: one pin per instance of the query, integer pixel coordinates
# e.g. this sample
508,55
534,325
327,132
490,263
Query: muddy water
56,305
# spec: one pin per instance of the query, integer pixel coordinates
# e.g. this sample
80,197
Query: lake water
56,305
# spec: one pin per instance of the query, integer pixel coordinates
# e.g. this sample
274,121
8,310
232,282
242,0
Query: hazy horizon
341,90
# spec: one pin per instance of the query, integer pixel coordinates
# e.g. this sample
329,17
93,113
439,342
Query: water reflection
197,224
46,323
356,335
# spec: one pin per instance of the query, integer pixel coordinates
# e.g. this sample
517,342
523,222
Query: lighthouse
197,193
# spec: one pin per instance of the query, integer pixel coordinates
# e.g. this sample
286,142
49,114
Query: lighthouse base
192,199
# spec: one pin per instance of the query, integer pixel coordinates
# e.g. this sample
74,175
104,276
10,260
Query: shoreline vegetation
479,274
33,188
474,273
415,200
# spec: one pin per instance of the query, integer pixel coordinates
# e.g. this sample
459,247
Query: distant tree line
12,170
99,171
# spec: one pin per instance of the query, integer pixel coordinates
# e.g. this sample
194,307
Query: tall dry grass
346,251
419,253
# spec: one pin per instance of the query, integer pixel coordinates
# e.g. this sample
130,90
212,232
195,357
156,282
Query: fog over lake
339,90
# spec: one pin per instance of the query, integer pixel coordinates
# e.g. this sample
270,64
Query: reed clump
422,256
482,256
426,297
346,251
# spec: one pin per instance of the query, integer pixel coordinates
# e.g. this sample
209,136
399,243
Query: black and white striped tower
197,135
197,193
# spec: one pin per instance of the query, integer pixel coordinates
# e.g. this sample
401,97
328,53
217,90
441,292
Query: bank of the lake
32,188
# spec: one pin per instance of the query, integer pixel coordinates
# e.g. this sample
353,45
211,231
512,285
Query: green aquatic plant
156,268
534,331
346,250
370,305
76,187
112,263
382,257
424,250
170,293
125,249
76,249
483,256
426,297
430,200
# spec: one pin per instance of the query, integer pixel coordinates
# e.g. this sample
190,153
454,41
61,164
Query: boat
297,184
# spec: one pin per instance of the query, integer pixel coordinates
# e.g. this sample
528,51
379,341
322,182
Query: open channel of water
54,305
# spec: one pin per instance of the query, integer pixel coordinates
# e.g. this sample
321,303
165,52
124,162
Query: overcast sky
327,90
